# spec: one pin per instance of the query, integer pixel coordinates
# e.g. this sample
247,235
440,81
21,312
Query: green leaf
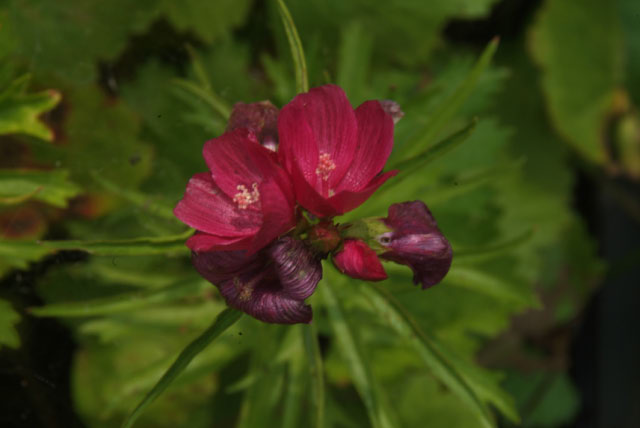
8,320
296,382
316,372
125,247
217,104
122,302
408,167
210,20
453,373
580,69
354,56
473,279
19,111
451,106
404,32
70,36
142,200
297,53
223,321
52,187
265,380
359,366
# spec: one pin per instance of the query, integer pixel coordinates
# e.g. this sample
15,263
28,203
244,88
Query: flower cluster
263,212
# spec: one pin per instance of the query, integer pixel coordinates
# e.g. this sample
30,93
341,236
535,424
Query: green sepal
368,230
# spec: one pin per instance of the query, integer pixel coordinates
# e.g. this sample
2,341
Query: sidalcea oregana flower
334,154
263,213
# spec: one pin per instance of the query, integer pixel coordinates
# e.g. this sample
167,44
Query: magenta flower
334,154
416,241
359,261
270,285
244,202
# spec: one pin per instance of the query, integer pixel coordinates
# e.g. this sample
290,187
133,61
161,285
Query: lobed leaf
52,187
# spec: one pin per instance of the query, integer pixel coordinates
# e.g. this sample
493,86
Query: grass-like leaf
142,200
222,322
146,246
359,368
402,322
452,105
316,368
122,302
299,62
408,166
207,95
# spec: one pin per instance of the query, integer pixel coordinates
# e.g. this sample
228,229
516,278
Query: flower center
325,166
244,198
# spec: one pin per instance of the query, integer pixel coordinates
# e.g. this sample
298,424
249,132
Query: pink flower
359,261
334,154
243,203
270,285
416,241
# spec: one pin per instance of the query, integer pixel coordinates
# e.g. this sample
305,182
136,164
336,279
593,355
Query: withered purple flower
270,285
261,118
416,241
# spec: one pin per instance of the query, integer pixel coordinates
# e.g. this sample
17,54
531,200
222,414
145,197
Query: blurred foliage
144,84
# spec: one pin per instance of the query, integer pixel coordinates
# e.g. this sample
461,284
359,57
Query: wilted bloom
334,154
243,203
393,109
260,117
270,285
416,241
359,261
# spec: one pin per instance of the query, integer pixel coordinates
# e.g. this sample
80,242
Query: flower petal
417,242
237,159
359,261
263,301
319,122
375,141
266,285
309,198
206,242
219,266
278,214
204,207
345,201
298,270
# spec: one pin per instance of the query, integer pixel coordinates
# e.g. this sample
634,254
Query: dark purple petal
261,118
417,242
298,270
270,285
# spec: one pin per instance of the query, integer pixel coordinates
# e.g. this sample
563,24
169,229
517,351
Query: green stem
302,81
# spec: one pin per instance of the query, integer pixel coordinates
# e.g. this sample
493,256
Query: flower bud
416,241
261,118
359,261
324,237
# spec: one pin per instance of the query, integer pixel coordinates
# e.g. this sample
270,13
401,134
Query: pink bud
359,261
